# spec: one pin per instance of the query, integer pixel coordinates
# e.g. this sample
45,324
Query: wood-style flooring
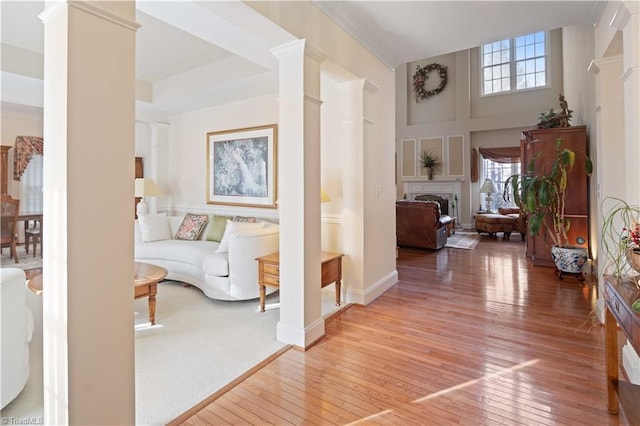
470,337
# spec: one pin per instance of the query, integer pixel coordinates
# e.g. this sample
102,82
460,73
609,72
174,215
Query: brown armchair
420,224
520,223
8,221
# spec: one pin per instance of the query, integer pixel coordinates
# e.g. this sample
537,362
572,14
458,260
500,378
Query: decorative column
627,20
610,128
89,98
301,321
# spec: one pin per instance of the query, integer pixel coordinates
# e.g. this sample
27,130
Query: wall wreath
421,76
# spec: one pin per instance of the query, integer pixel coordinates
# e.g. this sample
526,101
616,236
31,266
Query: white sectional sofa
230,275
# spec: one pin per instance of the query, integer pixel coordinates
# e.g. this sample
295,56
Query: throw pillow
154,227
244,219
217,227
234,229
192,226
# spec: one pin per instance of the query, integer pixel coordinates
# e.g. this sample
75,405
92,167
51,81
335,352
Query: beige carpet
465,240
197,346
27,261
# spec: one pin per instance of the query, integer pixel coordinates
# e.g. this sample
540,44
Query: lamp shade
489,187
324,198
146,187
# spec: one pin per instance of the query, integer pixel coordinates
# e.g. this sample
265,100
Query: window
31,183
499,173
521,60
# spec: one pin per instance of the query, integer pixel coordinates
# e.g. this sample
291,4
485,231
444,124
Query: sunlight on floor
454,388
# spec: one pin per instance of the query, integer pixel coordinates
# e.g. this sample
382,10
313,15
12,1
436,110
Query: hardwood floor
466,337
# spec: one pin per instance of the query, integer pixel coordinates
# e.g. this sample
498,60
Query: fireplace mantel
445,189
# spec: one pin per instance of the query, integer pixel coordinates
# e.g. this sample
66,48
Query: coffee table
145,284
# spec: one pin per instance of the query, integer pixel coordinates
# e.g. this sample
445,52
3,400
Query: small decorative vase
569,259
633,257
430,173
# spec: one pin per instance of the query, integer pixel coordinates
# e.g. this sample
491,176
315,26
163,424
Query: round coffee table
145,284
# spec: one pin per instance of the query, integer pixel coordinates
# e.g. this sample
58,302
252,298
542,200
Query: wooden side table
619,295
269,273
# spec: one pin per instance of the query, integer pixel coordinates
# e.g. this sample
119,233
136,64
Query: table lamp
145,188
489,188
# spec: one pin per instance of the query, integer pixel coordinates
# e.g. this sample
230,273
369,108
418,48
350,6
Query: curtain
25,148
474,165
31,186
509,154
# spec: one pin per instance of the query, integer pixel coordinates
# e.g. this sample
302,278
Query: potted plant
429,161
542,198
620,240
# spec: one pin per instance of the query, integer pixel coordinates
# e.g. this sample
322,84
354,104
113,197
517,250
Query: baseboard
299,337
364,297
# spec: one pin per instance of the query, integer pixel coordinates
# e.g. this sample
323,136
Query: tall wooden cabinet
577,198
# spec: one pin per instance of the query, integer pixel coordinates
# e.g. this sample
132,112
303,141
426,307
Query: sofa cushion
192,226
236,229
154,227
217,227
192,252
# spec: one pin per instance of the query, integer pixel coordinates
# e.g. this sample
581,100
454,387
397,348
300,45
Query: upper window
514,64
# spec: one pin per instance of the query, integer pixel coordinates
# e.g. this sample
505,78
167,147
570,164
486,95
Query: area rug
465,240
27,261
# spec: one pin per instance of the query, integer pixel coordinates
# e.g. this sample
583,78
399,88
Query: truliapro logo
22,421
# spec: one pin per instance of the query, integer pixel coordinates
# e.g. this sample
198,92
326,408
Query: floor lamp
145,188
489,188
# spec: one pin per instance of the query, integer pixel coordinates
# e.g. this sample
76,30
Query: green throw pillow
216,228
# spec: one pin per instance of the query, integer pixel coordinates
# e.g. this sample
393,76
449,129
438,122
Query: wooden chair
9,208
33,234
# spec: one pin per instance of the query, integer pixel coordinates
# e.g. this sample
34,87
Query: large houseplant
542,196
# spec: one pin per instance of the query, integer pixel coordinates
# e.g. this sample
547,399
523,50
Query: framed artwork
241,167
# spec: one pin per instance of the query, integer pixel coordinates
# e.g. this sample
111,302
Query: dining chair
33,234
9,208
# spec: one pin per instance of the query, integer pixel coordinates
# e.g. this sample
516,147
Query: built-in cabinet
577,197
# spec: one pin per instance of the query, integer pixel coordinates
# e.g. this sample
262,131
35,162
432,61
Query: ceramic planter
569,259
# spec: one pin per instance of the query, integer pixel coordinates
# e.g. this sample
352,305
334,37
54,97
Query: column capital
299,46
599,64
91,8
622,15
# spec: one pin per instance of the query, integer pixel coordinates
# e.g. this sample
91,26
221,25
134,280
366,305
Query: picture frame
242,166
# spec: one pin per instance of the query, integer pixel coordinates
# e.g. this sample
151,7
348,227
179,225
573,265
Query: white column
353,188
301,322
609,175
628,20
89,65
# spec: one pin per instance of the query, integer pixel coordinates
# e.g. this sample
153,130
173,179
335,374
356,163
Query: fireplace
443,192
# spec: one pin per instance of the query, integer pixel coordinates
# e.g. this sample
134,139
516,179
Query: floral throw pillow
192,226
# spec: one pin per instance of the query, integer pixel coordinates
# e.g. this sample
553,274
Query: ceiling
191,55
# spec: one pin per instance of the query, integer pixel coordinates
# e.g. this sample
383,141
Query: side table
619,295
269,273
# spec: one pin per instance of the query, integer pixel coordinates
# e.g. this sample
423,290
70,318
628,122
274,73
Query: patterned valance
25,148
509,154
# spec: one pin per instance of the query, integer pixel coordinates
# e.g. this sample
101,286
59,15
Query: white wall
304,20
185,175
486,121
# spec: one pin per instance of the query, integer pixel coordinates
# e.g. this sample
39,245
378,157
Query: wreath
421,76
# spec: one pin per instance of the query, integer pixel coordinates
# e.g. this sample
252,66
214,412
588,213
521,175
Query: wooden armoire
542,142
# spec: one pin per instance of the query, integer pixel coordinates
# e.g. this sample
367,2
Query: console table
619,295
269,273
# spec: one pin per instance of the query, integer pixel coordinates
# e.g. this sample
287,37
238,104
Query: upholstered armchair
520,222
420,224
17,329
